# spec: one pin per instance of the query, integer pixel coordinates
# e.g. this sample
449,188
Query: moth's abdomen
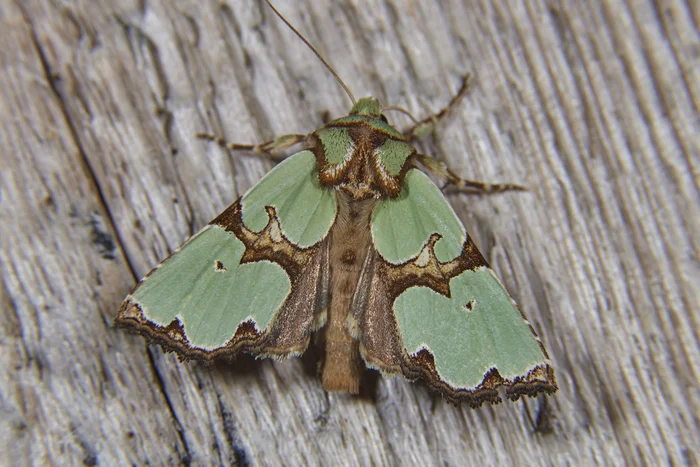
350,240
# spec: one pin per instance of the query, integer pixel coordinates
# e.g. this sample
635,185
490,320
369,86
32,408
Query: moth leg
425,127
456,184
271,149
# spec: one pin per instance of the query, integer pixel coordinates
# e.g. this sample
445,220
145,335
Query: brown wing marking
374,323
290,328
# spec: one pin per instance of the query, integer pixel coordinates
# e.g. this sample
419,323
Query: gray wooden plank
592,105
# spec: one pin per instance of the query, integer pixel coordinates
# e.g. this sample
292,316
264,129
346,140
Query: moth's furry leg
456,184
426,127
274,149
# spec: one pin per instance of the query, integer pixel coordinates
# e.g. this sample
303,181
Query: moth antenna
402,110
308,44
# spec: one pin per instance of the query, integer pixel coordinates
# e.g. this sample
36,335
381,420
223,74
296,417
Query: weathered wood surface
594,105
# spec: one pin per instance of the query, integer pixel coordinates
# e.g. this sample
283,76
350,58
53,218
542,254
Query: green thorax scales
362,154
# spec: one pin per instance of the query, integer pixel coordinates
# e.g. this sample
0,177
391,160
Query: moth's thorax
362,155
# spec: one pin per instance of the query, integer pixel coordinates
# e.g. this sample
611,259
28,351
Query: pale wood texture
593,105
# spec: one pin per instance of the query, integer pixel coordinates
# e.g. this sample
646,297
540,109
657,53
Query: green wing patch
306,210
402,226
250,281
446,317
207,290
474,331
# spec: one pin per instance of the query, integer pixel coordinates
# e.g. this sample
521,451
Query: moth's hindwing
448,318
248,281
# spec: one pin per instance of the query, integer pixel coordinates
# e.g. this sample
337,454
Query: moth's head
368,106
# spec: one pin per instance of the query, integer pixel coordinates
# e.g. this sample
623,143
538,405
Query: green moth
350,241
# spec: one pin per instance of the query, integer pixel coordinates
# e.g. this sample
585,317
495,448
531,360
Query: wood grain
593,105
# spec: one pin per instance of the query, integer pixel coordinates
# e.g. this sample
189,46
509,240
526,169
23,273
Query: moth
350,241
